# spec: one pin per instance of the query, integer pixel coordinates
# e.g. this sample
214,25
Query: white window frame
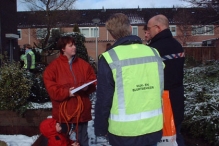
20,32
133,30
173,29
203,30
91,31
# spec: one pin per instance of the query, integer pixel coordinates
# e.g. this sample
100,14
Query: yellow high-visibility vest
139,81
32,60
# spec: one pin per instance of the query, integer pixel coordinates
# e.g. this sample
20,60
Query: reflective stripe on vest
122,117
173,56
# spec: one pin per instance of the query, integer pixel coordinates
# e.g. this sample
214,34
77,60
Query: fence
202,54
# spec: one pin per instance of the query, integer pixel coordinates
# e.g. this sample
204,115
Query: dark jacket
105,91
29,61
173,71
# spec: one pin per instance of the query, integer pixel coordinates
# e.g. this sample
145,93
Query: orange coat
58,78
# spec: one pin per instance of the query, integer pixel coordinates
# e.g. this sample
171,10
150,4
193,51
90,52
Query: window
193,44
19,34
209,30
89,31
203,30
173,29
135,30
41,33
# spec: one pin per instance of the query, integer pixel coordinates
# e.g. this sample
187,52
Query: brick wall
27,124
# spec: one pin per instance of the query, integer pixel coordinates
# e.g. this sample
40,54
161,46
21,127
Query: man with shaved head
172,54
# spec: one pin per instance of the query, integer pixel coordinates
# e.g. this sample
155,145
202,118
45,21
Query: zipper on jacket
70,65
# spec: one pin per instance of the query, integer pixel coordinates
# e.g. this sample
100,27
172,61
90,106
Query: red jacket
48,129
58,78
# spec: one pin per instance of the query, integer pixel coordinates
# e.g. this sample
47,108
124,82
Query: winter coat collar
166,33
27,51
131,39
65,59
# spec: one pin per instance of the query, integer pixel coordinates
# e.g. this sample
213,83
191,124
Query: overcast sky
107,4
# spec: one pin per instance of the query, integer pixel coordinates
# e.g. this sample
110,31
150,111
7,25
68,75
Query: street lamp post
96,21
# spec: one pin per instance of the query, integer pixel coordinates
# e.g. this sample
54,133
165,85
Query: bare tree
184,19
211,6
204,3
206,16
46,13
49,5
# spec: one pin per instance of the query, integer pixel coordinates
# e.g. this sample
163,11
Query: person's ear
159,28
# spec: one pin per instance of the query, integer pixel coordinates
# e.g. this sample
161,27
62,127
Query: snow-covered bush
202,101
14,87
18,87
38,91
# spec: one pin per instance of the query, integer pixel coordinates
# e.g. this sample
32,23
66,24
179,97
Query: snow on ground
18,140
23,140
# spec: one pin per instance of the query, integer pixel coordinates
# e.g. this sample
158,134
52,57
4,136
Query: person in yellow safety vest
130,84
28,58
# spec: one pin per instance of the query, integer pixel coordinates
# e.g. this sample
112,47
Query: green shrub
14,87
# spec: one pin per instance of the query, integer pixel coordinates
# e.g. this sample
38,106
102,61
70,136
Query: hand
58,127
71,94
85,88
75,144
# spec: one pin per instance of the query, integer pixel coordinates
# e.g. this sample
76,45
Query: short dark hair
108,45
27,46
63,41
145,27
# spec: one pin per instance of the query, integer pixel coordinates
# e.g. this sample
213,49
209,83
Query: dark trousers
82,132
143,140
179,137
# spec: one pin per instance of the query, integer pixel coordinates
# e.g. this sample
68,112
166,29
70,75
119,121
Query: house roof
137,16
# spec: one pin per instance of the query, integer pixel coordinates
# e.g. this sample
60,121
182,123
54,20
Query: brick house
190,26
